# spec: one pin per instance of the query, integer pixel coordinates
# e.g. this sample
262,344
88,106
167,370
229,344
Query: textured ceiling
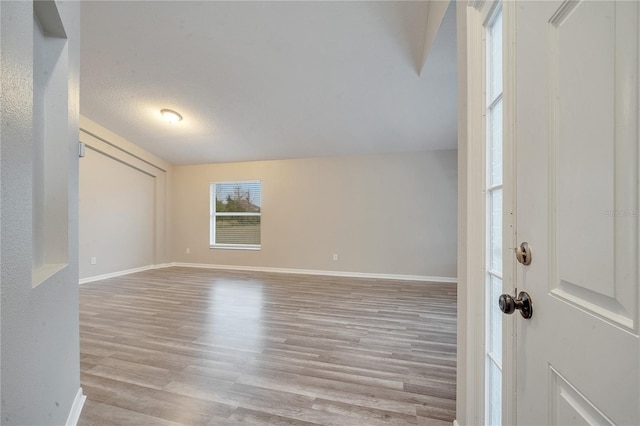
269,80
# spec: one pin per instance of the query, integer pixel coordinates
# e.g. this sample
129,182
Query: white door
576,106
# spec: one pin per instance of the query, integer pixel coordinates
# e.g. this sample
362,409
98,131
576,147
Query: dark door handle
523,303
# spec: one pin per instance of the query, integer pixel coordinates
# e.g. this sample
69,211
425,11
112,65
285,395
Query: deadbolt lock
523,253
523,304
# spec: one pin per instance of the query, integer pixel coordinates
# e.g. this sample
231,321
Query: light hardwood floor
206,347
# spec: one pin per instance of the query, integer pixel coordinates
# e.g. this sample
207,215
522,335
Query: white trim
319,272
473,412
472,377
125,272
235,247
213,214
76,408
475,4
400,277
226,182
491,101
237,214
455,422
509,265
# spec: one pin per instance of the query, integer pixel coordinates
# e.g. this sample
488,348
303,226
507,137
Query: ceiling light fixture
171,116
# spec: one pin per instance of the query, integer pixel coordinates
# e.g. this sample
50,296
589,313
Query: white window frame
491,100
473,309
213,214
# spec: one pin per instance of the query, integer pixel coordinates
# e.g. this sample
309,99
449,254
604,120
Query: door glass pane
493,188
495,53
495,401
495,317
496,230
496,143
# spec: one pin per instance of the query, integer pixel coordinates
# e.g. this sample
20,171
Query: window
235,215
493,190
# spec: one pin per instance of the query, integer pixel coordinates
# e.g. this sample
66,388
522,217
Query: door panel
569,407
577,206
581,75
587,106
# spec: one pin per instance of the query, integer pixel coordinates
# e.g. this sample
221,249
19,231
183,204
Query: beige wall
391,214
124,198
116,216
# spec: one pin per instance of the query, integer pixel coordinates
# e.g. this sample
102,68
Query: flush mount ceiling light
171,116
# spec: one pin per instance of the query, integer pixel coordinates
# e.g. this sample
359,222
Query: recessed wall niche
50,144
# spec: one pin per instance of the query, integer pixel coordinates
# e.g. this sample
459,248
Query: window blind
236,214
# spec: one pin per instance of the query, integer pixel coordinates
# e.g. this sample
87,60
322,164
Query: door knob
523,303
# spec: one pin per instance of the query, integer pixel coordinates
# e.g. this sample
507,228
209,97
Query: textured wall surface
39,326
390,214
124,199
116,216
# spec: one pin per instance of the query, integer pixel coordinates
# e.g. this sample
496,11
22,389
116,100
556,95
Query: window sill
234,247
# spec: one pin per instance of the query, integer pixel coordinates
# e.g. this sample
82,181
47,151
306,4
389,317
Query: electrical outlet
335,257
94,260
188,251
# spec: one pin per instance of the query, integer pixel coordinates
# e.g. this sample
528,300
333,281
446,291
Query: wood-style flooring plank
185,346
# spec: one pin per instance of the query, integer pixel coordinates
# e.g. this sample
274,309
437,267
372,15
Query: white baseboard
125,272
400,277
76,409
319,272
455,422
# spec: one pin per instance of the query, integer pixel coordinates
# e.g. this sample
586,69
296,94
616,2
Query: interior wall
390,214
124,198
39,324
116,216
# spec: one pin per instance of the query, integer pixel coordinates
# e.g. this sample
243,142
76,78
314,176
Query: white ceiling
269,80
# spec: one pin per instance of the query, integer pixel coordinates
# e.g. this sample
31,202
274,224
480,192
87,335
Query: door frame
472,16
